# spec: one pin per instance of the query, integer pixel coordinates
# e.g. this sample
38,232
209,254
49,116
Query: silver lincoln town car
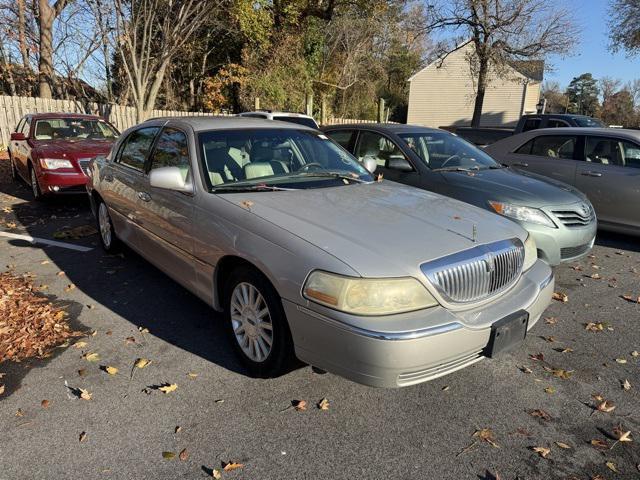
308,255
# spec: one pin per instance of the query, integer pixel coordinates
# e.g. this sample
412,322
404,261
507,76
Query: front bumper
562,244
55,183
441,341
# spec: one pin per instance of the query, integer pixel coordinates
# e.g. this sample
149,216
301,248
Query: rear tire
256,323
107,234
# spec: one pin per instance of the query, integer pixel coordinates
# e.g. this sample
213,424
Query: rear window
307,122
588,122
531,124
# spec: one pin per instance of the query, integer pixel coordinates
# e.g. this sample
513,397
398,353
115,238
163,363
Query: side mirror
398,162
370,164
17,136
170,178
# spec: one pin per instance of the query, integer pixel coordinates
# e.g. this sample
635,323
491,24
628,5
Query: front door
165,216
610,177
549,155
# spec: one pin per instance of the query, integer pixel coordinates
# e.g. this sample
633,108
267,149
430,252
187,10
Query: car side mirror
398,162
370,164
17,136
170,178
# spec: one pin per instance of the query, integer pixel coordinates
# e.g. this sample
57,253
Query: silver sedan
306,255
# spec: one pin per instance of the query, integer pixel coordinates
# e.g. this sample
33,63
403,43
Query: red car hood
72,148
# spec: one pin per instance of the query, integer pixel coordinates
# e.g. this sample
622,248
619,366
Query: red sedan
51,151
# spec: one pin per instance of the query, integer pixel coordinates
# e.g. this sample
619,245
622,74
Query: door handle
144,196
520,164
591,174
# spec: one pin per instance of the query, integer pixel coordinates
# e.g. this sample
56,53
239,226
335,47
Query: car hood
380,229
508,185
72,148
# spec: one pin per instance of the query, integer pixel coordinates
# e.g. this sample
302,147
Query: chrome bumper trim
394,336
546,281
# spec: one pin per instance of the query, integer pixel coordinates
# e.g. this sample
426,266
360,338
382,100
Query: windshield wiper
337,175
250,188
456,169
498,167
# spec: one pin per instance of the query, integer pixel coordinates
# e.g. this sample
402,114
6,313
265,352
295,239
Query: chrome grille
576,217
478,273
84,165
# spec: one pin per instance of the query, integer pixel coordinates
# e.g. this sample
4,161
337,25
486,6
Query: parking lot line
44,241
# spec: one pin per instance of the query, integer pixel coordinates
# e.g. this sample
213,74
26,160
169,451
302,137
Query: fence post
381,110
256,103
309,105
323,110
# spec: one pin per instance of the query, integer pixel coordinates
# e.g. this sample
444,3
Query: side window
26,127
526,148
136,147
171,150
556,146
374,145
531,124
612,151
342,137
20,124
557,124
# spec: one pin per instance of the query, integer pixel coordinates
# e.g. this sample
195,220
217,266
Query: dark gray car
559,218
604,163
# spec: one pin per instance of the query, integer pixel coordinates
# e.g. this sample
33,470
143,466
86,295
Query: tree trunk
22,37
483,71
9,70
46,15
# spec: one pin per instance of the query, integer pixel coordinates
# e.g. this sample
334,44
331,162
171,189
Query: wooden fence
12,109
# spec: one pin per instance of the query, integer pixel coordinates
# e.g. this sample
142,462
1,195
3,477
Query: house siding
443,94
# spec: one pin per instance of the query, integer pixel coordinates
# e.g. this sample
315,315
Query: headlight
524,214
530,253
363,296
54,163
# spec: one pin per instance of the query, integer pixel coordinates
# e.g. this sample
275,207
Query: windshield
588,122
276,158
443,150
74,129
307,122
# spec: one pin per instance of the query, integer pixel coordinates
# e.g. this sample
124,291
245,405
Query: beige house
443,93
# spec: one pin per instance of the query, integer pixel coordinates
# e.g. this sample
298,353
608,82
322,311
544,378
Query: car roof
384,127
274,112
40,116
589,131
561,115
212,122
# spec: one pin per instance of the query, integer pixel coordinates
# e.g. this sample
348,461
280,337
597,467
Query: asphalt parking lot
483,422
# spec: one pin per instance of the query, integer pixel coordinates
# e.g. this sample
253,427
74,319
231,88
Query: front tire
35,186
256,323
108,238
14,172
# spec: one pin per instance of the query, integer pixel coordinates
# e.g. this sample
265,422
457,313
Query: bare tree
150,33
502,31
47,14
624,25
22,33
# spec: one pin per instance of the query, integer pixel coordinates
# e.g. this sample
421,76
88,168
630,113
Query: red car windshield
74,129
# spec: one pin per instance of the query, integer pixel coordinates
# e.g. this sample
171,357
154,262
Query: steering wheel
307,166
452,157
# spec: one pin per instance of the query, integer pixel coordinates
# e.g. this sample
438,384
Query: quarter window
556,146
378,147
172,150
136,148
612,151
557,124
342,137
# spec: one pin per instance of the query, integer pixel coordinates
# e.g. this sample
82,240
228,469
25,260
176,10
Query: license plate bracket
507,333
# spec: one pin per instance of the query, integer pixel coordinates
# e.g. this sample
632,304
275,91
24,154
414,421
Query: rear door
20,150
123,179
550,155
165,216
610,177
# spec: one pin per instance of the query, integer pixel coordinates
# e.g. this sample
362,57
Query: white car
299,118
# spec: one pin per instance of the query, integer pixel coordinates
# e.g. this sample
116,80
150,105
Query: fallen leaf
143,329
595,276
612,466
168,455
84,394
19,413
168,387
595,327
538,356
142,362
550,339
486,435
80,344
76,232
626,385
229,466
44,262
247,204
82,437
445,388
70,287
606,406
1,389
622,435
525,369
177,429
111,370
45,403
60,274
559,372
621,360
564,350
561,297
183,455
550,390
90,307
577,268
550,320
323,404
82,372
600,444
130,340
91,357
542,451
563,445
216,474
539,413
192,375
635,353
299,405
631,298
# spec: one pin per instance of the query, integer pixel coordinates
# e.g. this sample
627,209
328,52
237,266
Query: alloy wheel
35,188
105,225
251,322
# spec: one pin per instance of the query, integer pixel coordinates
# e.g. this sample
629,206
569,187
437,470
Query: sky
592,54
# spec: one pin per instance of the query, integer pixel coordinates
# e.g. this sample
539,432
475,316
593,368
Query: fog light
55,188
